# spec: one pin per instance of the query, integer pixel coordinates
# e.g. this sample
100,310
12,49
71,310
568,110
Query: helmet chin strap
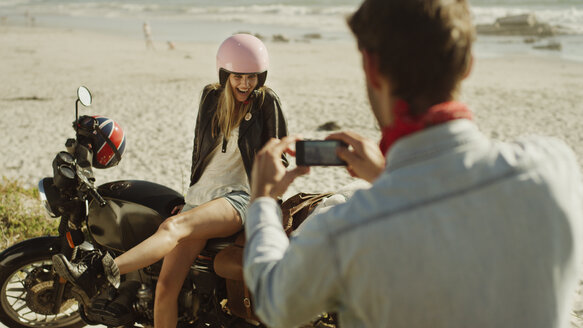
107,140
254,94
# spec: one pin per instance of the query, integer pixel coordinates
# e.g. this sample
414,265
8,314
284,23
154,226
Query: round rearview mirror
84,96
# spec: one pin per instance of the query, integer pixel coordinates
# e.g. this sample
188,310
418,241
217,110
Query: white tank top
224,173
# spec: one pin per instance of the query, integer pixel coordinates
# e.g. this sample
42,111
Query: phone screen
318,153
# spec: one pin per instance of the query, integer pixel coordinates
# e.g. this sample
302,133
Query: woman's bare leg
214,219
174,270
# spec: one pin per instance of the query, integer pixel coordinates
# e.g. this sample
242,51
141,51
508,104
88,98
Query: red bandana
404,124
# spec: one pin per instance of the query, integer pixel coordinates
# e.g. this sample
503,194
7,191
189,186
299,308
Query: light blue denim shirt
459,231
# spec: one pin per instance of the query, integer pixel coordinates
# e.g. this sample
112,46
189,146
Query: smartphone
318,153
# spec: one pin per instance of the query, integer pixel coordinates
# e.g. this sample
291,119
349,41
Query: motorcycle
114,217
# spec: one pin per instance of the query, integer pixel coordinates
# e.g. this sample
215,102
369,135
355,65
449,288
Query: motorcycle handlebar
93,192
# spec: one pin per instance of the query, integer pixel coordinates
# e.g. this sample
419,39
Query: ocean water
212,21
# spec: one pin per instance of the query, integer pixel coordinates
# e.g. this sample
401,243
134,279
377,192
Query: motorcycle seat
215,245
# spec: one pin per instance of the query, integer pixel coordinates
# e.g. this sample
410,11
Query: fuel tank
133,212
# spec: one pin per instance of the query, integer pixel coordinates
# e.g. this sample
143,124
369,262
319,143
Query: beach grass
21,214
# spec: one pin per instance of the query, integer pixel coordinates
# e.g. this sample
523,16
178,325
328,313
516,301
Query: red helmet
242,54
107,140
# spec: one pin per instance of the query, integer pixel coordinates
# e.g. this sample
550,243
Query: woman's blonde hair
227,117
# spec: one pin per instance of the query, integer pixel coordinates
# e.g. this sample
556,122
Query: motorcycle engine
115,307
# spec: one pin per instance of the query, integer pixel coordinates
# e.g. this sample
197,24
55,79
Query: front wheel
27,296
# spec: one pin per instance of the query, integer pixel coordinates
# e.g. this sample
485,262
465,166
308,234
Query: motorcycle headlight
49,196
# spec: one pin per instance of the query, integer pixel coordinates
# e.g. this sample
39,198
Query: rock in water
553,45
524,24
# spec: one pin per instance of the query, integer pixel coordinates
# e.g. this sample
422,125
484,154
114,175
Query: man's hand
269,177
364,158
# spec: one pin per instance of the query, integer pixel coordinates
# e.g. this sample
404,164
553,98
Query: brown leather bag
297,208
228,262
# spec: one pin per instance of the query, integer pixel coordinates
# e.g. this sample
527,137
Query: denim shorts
238,199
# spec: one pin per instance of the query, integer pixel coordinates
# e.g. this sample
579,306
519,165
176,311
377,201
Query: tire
25,287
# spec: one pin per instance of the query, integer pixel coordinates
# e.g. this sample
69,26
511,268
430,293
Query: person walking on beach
457,230
171,45
148,36
236,117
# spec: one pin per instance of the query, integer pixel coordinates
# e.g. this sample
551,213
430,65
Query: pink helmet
243,54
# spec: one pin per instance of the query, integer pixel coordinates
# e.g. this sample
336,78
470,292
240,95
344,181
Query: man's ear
371,66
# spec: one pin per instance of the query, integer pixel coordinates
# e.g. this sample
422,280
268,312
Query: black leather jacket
266,122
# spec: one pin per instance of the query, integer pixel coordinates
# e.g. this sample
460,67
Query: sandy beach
154,95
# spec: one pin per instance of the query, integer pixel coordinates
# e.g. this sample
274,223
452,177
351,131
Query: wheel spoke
20,308
28,312
18,298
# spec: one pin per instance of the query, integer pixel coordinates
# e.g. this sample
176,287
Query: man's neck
404,123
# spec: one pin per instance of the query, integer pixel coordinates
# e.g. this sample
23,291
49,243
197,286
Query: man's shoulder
548,158
544,150
545,142
546,164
